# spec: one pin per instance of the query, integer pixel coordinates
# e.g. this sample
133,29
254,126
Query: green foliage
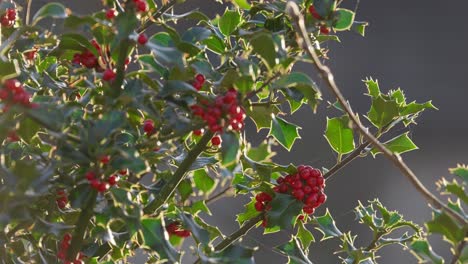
339,134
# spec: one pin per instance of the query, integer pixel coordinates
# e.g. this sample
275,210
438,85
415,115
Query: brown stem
303,40
156,16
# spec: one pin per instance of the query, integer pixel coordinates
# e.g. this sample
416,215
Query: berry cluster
62,199
306,185
12,136
224,111
323,28
13,93
262,203
148,127
175,229
111,13
64,246
198,82
8,19
87,59
103,186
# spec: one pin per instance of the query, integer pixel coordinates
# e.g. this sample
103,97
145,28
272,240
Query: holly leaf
339,135
198,232
422,250
229,22
53,10
443,224
294,252
203,181
304,235
155,238
284,132
398,145
264,46
382,112
284,210
248,214
230,148
327,226
344,19
261,115
460,171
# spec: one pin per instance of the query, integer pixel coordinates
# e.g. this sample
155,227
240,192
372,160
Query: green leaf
339,135
53,10
345,19
382,112
242,4
414,108
443,224
327,226
248,214
230,148
398,145
215,44
360,27
233,254
422,250
197,231
294,252
372,87
261,115
302,83
229,22
203,181
185,189
284,132
284,211
264,46
456,189
460,171
304,235
156,239
9,69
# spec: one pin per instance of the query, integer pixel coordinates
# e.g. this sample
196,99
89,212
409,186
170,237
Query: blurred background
420,46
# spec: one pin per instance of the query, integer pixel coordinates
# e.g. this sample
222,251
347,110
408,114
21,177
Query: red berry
300,218
266,197
111,14
200,78
61,255
61,204
142,39
4,94
259,206
11,14
297,184
264,223
314,12
105,159
322,198
280,180
198,132
320,181
216,140
283,188
315,173
308,210
311,199
67,237
112,180
12,84
324,30
307,189
30,55
148,126
197,85
109,75
95,184
102,187
312,182
90,175
13,137
298,194
142,6
123,172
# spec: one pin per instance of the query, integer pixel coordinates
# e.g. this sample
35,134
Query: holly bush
115,140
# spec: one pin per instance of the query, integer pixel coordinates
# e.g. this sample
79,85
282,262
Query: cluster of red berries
64,246
198,82
12,136
175,229
13,92
103,186
8,19
148,127
307,185
224,111
262,203
62,199
87,59
323,28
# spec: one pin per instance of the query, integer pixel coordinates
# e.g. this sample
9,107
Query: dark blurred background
418,45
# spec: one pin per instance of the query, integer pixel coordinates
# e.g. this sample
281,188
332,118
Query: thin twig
459,251
218,196
265,84
303,40
28,12
157,15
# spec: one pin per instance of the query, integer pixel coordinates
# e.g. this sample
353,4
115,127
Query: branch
157,15
179,175
265,84
303,40
218,196
81,226
120,75
459,251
